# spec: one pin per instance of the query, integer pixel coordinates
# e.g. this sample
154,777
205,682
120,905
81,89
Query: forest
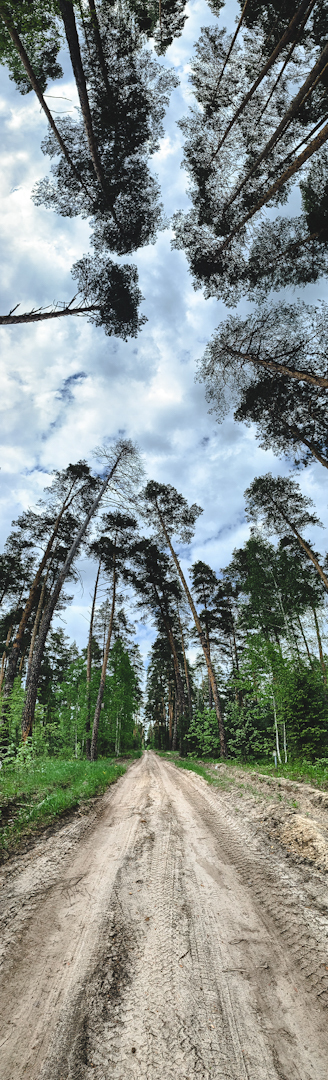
238,663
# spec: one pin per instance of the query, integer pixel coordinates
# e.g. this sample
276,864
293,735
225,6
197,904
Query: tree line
252,617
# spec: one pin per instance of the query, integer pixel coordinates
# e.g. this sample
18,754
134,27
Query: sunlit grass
36,794
303,771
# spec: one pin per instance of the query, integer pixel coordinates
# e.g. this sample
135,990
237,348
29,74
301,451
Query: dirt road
163,938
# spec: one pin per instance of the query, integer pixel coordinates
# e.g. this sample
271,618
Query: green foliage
269,681
39,32
249,729
34,796
119,730
203,734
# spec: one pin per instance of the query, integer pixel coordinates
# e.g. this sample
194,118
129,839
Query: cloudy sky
66,386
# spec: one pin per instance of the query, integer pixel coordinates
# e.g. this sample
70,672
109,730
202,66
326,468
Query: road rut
160,939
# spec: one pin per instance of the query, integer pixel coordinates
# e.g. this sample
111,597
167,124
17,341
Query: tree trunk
304,545
175,722
179,684
67,13
31,695
13,658
311,149
5,16
89,658
95,729
20,669
276,728
323,461
170,715
4,657
40,316
305,641
292,111
228,56
36,627
264,71
272,365
322,662
101,56
170,637
201,638
185,669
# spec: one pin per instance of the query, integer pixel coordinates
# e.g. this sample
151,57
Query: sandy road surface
160,938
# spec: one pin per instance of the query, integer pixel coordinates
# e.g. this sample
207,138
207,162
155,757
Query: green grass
194,766
306,772
314,773
36,794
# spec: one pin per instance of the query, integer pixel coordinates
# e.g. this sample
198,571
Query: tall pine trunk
4,657
31,696
305,640
68,17
322,660
41,316
14,655
186,669
6,17
89,661
286,37
211,675
36,627
100,698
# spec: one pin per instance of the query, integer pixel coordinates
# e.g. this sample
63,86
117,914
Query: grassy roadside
303,772
34,795
193,765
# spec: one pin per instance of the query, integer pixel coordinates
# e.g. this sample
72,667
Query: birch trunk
276,729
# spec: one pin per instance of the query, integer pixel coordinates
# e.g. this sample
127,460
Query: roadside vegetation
303,772
34,792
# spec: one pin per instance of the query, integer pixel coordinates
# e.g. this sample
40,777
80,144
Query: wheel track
272,892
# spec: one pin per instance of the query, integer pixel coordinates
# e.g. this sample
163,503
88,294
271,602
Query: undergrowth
192,765
35,793
314,773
